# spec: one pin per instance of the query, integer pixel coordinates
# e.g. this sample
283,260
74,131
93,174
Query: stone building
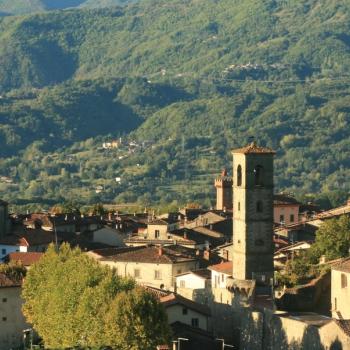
253,213
153,266
223,186
340,277
285,209
12,321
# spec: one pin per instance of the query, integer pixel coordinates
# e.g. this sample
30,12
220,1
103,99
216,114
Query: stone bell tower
223,186
253,213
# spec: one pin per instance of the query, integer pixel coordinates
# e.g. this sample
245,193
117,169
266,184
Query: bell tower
253,213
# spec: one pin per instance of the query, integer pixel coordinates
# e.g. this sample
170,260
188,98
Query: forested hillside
190,80
17,7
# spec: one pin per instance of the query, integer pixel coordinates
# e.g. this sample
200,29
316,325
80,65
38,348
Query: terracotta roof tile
26,259
173,299
284,199
253,148
164,255
224,267
343,266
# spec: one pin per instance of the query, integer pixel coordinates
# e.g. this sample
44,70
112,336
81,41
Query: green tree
13,270
145,318
70,300
332,239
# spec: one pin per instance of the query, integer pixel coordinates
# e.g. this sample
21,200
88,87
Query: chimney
66,217
224,209
206,255
160,251
185,235
198,252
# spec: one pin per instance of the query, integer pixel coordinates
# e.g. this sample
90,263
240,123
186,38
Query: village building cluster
212,269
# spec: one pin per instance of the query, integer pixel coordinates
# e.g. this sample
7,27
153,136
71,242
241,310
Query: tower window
259,207
259,242
239,175
344,281
258,175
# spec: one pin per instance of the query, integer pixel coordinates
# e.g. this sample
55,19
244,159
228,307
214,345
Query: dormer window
239,175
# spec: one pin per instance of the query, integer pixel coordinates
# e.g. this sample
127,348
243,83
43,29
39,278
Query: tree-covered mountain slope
17,7
186,81
294,39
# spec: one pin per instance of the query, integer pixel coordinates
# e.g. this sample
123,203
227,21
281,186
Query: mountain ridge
193,78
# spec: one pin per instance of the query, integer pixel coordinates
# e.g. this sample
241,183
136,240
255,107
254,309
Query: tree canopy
332,242
73,301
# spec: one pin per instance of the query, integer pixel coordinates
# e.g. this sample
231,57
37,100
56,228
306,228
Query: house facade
152,266
340,293
12,321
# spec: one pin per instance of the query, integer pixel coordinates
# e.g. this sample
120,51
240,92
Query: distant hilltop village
227,277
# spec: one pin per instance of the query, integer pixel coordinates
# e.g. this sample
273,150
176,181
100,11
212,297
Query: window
281,218
291,218
156,233
259,242
239,206
179,271
137,273
335,304
239,175
3,251
259,206
4,319
184,311
4,300
195,322
157,275
258,175
344,280
182,284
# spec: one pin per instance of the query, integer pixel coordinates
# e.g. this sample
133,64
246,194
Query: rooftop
224,267
173,299
310,318
253,148
155,255
26,258
202,273
284,199
343,266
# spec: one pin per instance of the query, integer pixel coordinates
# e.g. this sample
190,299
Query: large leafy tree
72,300
332,239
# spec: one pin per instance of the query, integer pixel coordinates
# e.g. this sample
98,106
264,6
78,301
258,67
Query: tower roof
253,148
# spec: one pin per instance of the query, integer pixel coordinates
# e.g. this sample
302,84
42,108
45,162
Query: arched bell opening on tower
259,175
